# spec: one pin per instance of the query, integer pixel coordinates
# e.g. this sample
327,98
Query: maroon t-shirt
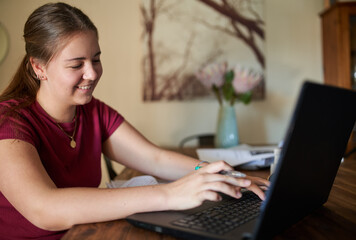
67,167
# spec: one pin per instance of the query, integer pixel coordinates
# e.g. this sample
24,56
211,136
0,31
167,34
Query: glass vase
226,131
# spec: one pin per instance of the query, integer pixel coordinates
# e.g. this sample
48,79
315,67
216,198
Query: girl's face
73,73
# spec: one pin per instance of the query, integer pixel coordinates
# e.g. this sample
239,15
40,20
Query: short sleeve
110,119
14,125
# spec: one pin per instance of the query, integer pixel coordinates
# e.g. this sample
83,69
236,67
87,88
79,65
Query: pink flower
245,79
212,74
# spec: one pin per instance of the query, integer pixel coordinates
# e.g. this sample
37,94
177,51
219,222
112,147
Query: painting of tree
181,36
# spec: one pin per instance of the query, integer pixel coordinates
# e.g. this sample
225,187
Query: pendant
73,144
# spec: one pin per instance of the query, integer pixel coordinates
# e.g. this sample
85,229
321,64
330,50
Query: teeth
84,87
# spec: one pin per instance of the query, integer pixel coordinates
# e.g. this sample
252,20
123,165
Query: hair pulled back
45,33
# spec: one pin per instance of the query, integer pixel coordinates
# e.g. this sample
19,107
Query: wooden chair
112,173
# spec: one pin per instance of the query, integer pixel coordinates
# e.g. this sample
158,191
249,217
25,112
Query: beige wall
293,53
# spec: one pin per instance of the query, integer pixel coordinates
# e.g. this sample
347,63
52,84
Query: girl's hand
206,183
258,186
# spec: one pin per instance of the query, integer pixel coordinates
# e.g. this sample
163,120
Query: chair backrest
109,167
204,140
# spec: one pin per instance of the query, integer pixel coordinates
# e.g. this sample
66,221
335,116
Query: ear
39,68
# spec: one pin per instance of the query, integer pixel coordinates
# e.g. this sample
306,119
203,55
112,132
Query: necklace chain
73,144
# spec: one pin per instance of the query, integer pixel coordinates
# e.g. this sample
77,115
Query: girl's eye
96,61
76,66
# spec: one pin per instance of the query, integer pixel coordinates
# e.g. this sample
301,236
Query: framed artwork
182,36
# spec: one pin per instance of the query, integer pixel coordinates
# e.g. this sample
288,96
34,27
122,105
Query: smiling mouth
85,87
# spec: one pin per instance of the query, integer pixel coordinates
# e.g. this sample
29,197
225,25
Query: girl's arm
27,186
128,147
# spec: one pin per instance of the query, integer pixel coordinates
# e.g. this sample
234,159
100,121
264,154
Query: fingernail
238,194
247,182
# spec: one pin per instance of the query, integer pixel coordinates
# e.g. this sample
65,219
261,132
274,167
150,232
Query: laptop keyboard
224,217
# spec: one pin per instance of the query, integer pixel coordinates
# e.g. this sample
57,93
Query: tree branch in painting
169,85
149,23
227,9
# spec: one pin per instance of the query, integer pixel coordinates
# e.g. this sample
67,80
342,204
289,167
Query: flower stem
217,94
232,100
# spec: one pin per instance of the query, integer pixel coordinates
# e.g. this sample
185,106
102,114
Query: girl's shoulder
11,103
14,106
17,103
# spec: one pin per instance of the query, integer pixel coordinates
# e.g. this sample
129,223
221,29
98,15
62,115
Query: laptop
313,149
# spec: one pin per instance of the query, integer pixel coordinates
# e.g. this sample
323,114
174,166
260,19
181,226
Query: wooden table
335,220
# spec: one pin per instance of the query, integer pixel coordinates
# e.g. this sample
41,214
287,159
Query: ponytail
24,84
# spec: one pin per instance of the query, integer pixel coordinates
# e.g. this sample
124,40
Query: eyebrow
82,58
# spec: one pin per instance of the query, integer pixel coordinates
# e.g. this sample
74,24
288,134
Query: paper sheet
237,155
144,180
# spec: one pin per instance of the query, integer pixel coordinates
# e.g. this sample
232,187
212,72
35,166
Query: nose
92,72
